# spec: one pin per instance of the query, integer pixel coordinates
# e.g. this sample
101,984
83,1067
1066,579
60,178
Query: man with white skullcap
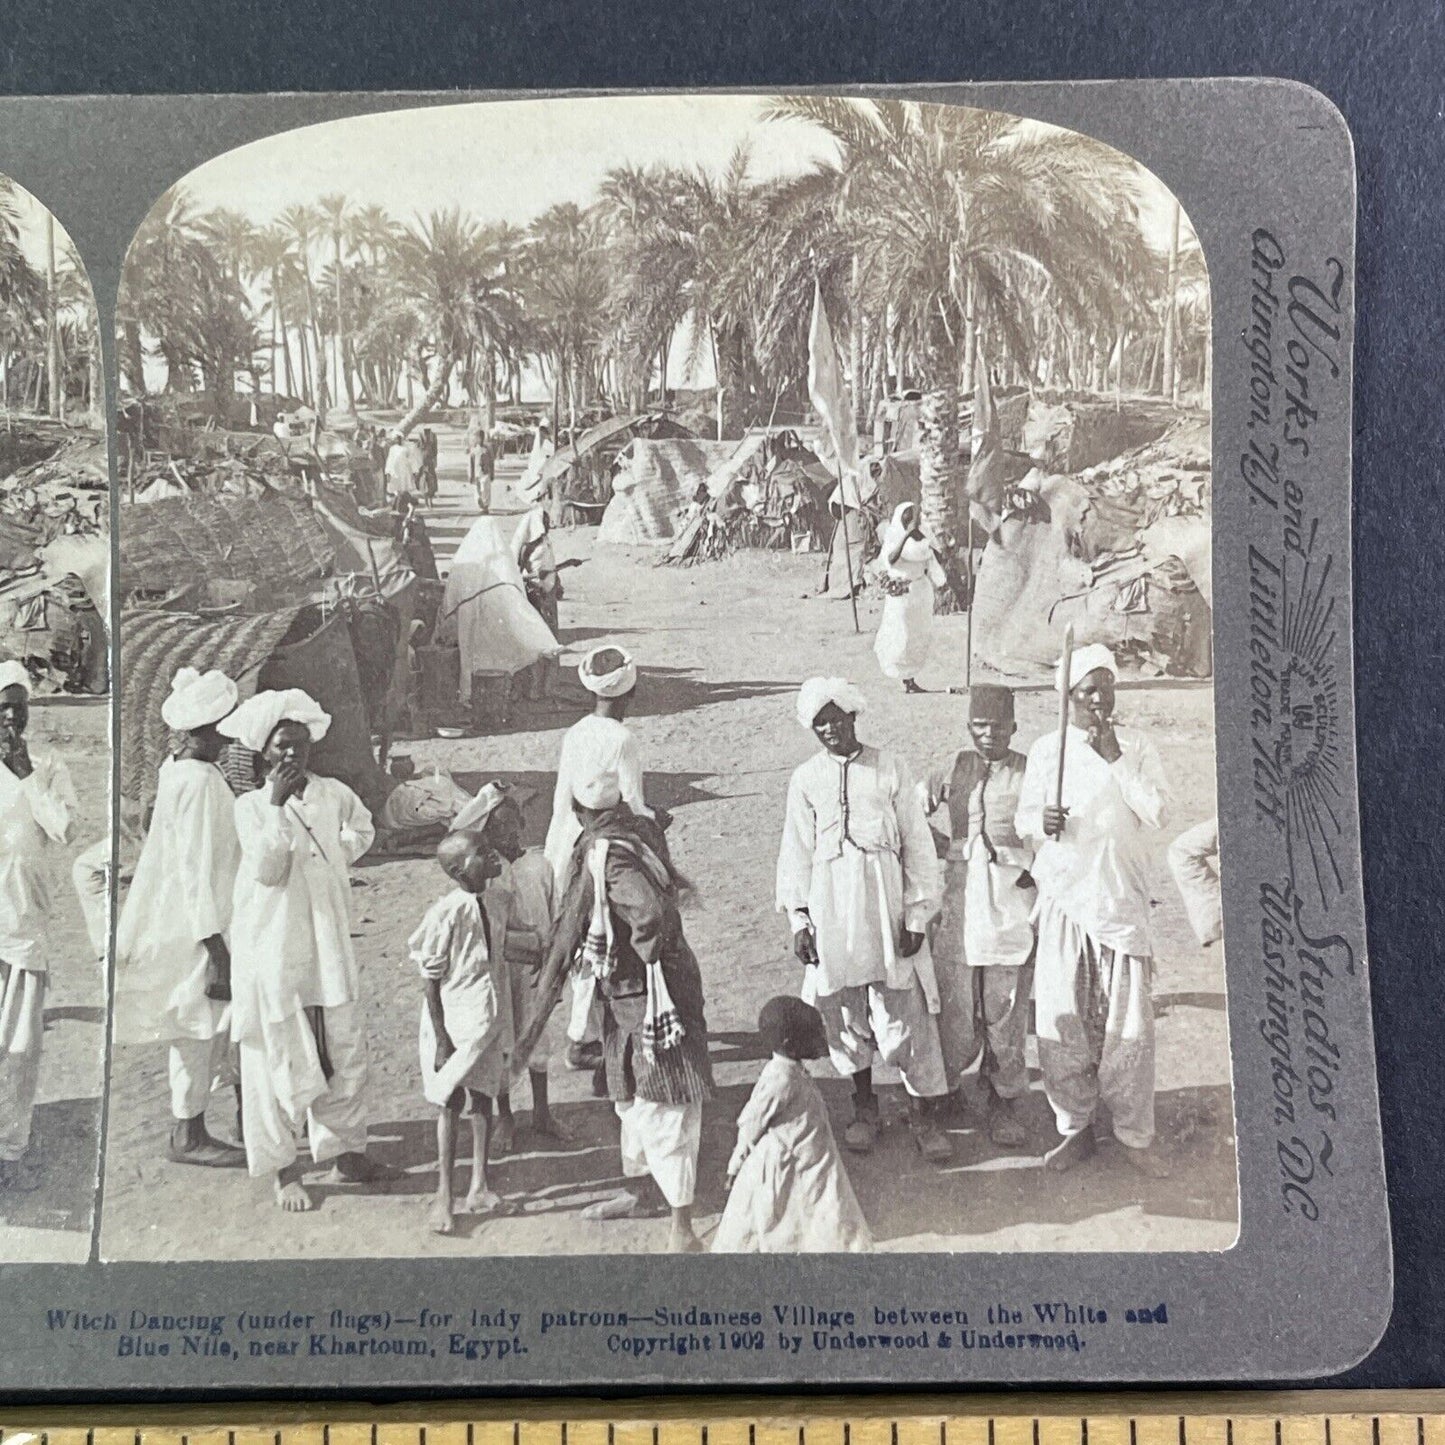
173,961
296,1010
37,804
1092,977
859,879
600,743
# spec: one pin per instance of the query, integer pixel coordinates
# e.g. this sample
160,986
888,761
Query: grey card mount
720,675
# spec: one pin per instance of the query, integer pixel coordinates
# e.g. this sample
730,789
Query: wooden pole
968,583
1065,662
847,549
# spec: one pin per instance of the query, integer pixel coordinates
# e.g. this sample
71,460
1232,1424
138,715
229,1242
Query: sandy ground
723,647
53,1222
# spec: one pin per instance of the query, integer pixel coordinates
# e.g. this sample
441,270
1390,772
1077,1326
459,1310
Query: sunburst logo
1307,750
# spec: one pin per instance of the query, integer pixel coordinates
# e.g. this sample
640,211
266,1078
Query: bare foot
624,1205
485,1201
546,1126
292,1197
439,1217
683,1241
504,1135
1074,1150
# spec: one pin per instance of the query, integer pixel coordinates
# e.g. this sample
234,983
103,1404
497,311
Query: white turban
473,815
599,792
258,717
617,683
1084,660
198,699
13,674
818,692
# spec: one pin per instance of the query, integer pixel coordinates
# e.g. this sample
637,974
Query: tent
1062,555
297,646
653,484
485,611
770,491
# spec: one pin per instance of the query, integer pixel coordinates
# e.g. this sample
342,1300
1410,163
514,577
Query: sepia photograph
55,756
667,691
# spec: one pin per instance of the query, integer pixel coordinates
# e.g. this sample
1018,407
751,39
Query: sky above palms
511,160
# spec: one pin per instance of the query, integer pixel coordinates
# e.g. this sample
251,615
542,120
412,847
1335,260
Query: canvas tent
770,491
653,484
1062,556
485,611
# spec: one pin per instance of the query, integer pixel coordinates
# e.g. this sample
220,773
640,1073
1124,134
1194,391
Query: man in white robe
860,882
37,804
173,961
296,1010
1092,975
599,744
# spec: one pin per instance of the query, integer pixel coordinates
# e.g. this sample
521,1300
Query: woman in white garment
173,961
296,1010
911,575
37,804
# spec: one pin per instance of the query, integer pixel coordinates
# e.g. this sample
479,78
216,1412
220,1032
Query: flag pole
1066,662
847,549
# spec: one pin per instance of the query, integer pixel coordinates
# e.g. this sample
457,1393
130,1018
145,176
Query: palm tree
334,210
304,223
956,216
273,257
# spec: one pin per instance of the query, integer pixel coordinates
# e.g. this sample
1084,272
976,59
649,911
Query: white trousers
22,1026
197,1067
90,873
584,1024
662,1140
871,1021
335,1122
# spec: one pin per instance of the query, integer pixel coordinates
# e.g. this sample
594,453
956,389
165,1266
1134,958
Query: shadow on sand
65,1158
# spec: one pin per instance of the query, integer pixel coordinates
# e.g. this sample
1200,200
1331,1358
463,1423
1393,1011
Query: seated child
466,1020
521,902
790,1191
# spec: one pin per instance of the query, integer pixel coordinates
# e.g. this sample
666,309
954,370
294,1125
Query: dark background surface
1382,64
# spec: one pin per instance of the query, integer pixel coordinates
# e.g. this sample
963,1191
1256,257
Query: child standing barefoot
466,1020
790,1191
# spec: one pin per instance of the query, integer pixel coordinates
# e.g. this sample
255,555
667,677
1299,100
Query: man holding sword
1093,814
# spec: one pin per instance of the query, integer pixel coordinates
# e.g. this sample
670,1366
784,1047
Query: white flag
828,392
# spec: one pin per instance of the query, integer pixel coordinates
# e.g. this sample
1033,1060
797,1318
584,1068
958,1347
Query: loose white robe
905,630
181,894
1099,872
35,812
857,864
291,927
791,1193
1194,862
1093,968
590,747
458,947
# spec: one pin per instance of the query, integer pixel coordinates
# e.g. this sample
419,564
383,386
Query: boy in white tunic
1092,983
522,901
859,880
296,1012
37,804
466,1018
983,941
598,744
173,962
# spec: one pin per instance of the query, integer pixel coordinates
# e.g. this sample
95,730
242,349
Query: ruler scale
1302,1418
